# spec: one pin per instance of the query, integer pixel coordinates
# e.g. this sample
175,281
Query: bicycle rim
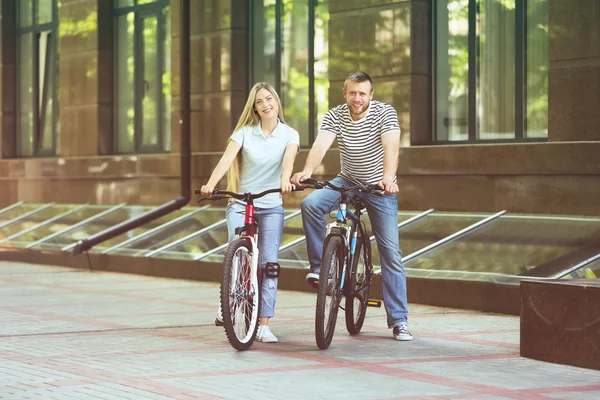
330,294
239,296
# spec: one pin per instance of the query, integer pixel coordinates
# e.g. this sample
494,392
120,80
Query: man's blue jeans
270,228
383,213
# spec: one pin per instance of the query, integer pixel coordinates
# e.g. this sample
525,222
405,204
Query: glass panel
25,12
292,230
293,257
297,257
151,81
428,230
92,228
18,211
496,69
166,80
141,229
294,66
125,87
56,226
537,69
145,1
263,43
452,68
321,61
44,11
33,220
515,245
123,3
173,233
25,99
591,271
198,245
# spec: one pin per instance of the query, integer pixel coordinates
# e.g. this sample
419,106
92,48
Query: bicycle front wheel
240,295
330,292
358,290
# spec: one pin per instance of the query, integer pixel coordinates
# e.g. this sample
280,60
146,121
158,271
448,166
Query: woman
259,156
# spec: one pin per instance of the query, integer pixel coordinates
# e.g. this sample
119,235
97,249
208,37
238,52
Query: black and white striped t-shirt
361,151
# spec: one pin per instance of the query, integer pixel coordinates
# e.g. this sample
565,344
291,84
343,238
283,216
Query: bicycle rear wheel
240,295
359,284
330,292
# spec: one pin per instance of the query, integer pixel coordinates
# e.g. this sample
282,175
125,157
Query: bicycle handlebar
370,188
225,194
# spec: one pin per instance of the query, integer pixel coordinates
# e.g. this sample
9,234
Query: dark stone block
560,321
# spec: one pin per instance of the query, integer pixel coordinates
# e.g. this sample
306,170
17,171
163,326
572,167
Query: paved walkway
75,334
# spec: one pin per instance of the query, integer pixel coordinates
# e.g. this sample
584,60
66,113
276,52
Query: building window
289,50
143,76
37,77
491,70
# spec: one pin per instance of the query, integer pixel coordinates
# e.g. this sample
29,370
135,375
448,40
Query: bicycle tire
359,281
240,296
329,289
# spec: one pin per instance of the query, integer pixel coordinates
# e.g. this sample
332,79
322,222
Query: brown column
85,78
8,87
574,76
219,70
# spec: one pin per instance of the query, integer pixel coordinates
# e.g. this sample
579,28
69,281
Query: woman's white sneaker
265,335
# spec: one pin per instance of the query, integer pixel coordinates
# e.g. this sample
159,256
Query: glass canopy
500,247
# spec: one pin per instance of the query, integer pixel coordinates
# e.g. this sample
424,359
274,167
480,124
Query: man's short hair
359,77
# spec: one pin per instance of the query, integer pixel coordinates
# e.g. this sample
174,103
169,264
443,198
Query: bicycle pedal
374,303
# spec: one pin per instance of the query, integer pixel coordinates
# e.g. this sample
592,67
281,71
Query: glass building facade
497,101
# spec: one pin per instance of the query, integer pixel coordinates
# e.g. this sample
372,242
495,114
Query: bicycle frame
349,233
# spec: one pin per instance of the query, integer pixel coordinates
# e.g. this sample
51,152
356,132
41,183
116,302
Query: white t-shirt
361,150
262,158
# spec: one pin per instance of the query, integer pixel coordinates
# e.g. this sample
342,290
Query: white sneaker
265,335
313,279
219,318
401,333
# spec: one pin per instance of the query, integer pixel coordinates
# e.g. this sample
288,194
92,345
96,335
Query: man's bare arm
391,149
322,143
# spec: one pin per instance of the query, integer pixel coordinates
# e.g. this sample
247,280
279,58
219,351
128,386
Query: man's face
358,95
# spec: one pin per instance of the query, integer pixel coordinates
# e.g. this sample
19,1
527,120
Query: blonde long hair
249,117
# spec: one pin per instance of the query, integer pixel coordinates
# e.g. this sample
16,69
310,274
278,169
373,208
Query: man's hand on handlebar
388,186
299,177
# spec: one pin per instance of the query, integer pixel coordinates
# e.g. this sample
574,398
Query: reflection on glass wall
485,55
452,69
294,65
284,34
143,76
496,69
321,62
37,100
536,125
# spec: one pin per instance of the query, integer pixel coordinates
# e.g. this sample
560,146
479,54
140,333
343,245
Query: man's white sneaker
401,333
313,279
265,335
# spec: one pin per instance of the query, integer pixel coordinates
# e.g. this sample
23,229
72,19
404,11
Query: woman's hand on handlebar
286,186
207,190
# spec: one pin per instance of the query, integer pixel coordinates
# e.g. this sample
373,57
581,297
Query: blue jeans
383,213
270,228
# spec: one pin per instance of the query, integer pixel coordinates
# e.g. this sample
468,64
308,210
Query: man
368,135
